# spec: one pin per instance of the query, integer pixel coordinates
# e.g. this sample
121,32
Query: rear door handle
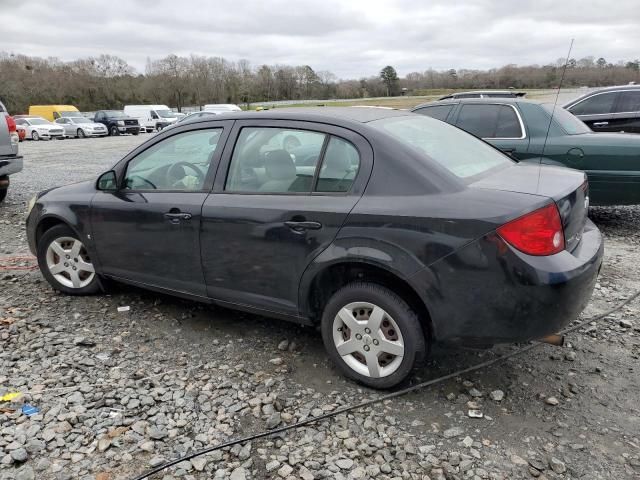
299,226
600,124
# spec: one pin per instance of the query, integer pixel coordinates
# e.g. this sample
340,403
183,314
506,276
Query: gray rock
238,474
156,462
497,395
199,463
25,473
274,420
283,345
19,455
453,432
557,465
553,401
157,433
344,463
285,471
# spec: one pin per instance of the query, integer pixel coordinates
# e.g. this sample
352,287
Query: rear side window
629,102
490,121
595,105
339,167
440,112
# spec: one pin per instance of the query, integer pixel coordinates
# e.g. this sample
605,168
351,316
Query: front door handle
175,217
600,124
508,151
300,226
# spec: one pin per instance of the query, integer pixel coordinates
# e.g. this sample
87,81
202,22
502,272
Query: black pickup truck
117,122
10,161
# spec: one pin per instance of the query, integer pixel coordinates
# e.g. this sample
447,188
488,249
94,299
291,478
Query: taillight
537,233
11,123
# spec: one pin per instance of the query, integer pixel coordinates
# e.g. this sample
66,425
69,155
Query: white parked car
151,117
219,108
81,127
38,128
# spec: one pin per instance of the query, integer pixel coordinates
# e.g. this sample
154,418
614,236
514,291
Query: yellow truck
52,112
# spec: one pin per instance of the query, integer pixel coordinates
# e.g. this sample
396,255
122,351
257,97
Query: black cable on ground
382,398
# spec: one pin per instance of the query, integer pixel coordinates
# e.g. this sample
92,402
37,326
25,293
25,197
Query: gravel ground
118,393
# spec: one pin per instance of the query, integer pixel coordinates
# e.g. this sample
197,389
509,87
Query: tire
77,275
136,133
113,131
3,193
80,133
35,136
399,331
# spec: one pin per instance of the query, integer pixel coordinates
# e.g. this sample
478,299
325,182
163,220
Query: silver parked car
81,127
10,161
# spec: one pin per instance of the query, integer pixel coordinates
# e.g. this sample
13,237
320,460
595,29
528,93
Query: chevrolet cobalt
386,229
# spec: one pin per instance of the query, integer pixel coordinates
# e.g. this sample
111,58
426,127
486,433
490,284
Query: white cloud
350,38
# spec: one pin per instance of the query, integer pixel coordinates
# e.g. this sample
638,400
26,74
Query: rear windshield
462,154
567,121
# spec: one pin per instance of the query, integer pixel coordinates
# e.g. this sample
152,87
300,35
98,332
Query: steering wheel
130,182
173,175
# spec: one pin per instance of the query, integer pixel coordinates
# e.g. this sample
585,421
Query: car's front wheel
35,136
80,133
64,261
114,131
372,334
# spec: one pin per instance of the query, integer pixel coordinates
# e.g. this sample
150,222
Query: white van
219,108
151,117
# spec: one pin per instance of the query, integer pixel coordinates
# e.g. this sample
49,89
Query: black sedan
391,231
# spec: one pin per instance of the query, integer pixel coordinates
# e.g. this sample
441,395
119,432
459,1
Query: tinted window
339,167
508,124
568,122
490,121
467,95
437,111
180,162
275,160
480,120
629,102
597,104
461,154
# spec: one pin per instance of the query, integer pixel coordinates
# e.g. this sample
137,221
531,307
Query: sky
351,38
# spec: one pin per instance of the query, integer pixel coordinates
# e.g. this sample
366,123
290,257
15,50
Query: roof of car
354,114
453,101
514,93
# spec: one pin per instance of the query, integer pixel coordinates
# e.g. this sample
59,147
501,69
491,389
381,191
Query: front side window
595,105
274,160
179,162
629,102
441,112
463,155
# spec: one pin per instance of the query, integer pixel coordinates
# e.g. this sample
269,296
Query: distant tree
390,79
601,62
635,65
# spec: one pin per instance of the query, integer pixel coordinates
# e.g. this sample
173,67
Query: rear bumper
10,164
488,292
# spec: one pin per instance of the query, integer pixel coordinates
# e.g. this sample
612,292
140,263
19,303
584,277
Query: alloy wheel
69,262
35,136
368,339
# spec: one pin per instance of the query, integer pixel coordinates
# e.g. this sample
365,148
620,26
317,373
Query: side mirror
107,182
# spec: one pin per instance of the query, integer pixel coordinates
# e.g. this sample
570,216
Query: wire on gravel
383,398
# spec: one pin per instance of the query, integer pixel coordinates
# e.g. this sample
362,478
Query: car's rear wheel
3,193
114,131
372,334
81,133
35,136
64,261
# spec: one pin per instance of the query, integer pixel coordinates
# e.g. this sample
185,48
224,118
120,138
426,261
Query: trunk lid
567,187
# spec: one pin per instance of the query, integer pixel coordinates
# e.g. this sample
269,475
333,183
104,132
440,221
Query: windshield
569,123
115,114
81,120
166,113
462,154
38,121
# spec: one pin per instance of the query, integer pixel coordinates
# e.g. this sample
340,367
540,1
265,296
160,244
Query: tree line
109,82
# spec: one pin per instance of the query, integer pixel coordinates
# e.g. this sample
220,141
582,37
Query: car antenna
553,110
